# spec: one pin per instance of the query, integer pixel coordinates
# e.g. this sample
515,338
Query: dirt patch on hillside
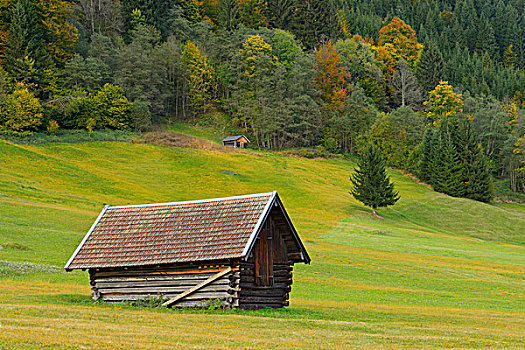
175,139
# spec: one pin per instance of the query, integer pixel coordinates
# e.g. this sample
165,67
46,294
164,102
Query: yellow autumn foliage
443,102
20,111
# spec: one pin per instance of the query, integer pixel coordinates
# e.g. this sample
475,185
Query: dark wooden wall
266,277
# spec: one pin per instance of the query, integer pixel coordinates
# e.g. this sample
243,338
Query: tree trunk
375,213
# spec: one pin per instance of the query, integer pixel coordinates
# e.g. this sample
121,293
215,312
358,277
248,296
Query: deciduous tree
401,41
20,111
332,79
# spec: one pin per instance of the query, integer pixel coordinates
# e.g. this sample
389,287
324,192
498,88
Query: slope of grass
436,272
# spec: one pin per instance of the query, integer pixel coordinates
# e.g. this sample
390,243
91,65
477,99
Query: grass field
436,272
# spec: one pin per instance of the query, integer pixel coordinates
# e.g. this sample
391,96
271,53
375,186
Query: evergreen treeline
436,85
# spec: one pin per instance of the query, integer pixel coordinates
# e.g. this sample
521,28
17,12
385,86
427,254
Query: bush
52,127
106,109
111,109
20,112
141,116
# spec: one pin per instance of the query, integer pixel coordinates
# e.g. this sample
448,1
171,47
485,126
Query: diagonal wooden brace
197,287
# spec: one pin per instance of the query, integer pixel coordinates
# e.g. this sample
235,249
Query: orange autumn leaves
397,41
331,78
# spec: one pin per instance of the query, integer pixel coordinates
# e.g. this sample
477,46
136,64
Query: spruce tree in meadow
371,184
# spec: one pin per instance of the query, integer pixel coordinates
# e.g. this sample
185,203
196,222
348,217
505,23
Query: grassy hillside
435,272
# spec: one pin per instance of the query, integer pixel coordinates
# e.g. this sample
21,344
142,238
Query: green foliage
110,108
20,111
454,163
141,69
26,59
141,116
202,83
89,74
214,304
360,60
430,68
397,134
229,16
371,184
253,13
148,301
448,175
443,103
353,124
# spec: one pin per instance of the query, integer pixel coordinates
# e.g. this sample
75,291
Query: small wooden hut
239,250
238,141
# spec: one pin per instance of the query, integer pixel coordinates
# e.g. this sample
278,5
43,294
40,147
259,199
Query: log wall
118,285
254,296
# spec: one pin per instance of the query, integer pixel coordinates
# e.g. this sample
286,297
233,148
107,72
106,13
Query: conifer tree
424,171
371,184
479,185
229,17
449,172
476,171
26,59
430,69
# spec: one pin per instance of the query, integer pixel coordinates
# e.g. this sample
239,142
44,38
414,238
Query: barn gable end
238,249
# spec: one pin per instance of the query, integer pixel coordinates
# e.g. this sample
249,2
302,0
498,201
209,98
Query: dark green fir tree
424,169
476,170
449,172
430,68
371,184
229,17
479,185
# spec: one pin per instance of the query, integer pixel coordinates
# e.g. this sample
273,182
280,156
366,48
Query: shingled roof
234,138
164,233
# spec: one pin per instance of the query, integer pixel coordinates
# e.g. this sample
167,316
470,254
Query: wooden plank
184,284
153,272
260,300
198,286
156,290
251,279
285,286
264,293
259,306
195,296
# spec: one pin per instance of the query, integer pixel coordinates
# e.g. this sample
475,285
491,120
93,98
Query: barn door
263,255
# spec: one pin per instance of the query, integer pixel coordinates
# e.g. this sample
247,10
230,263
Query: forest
438,86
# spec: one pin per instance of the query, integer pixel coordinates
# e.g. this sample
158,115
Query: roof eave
257,228
66,267
275,199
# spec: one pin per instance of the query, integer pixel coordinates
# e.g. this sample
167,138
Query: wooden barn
239,250
238,141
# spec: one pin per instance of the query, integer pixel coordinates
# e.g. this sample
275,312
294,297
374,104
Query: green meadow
435,272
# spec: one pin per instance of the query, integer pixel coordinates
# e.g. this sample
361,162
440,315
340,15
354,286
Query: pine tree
479,185
280,13
476,171
26,59
449,172
370,183
229,15
430,69
425,169
313,21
